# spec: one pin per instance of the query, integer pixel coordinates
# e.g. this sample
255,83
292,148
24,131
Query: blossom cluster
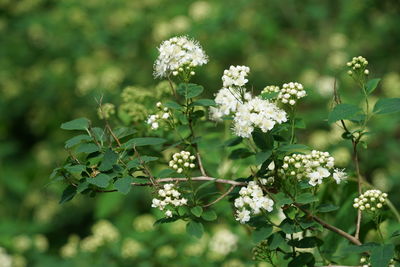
227,103
270,89
154,119
179,55
251,201
358,64
257,113
291,92
314,166
169,197
371,200
235,77
181,161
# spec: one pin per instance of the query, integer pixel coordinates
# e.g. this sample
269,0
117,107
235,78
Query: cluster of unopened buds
291,92
261,252
371,200
154,119
270,89
251,201
358,65
169,198
182,161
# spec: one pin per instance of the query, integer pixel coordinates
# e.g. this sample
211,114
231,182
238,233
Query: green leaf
123,185
306,198
387,105
289,227
101,180
68,194
87,148
299,123
343,112
144,141
209,215
261,157
110,158
290,148
195,229
122,132
77,124
270,95
143,159
165,173
233,141
282,199
82,186
275,241
264,141
76,140
303,259
203,103
381,255
172,105
240,153
197,211
327,208
75,168
371,85
189,90
262,233
306,242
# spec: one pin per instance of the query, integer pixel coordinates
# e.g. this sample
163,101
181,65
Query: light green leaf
387,105
371,85
293,148
327,208
209,215
172,105
343,112
110,158
77,124
75,168
197,211
204,103
87,148
195,229
306,198
123,185
189,90
101,180
144,141
262,156
76,140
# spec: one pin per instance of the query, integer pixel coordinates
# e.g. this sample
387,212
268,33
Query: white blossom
235,77
372,200
339,175
291,92
169,197
182,161
227,104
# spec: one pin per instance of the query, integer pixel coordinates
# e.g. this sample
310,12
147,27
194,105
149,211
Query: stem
293,115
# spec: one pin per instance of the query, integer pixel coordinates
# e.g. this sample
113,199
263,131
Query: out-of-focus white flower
339,175
223,242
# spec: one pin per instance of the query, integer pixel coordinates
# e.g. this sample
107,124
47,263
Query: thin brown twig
199,178
146,169
220,197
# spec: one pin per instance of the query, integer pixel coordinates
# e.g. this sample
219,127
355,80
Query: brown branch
220,197
199,178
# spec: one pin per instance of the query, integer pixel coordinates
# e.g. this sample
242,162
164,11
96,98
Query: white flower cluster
181,161
154,119
270,89
315,167
226,102
371,200
223,242
358,64
257,113
169,197
291,92
251,201
179,55
235,77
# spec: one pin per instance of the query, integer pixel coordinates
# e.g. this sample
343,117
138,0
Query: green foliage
343,112
189,90
387,106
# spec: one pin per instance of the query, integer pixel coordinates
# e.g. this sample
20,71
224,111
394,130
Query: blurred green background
57,57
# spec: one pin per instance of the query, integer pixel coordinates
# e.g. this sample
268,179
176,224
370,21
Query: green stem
293,120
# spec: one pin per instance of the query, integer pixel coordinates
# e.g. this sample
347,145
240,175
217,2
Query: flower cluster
154,119
181,161
371,200
270,89
106,111
358,65
291,92
314,166
251,201
235,77
227,103
223,242
179,55
169,197
261,251
257,113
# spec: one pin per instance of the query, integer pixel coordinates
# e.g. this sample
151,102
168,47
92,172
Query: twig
220,197
146,169
108,127
199,178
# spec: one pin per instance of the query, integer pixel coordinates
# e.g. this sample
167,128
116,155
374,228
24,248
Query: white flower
291,92
227,103
235,76
179,54
182,161
168,213
170,197
339,175
243,216
371,200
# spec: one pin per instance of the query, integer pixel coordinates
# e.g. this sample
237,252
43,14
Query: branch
221,196
199,178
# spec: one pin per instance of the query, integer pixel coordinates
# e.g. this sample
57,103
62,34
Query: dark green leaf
76,140
75,168
240,153
123,185
110,158
165,173
189,90
144,141
262,156
299,123
82,186
209,215
306,242
195,229
327,208
282,199
87,148
275,241
264,141
124,132
289,227
233,141
101,180
68,194
197,211
137,162
371,85
172,105
262,233
303,259
203,102
387,105
306,198
381,255
77,124
343,112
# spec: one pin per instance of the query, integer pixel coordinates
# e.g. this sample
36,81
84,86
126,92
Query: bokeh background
57,57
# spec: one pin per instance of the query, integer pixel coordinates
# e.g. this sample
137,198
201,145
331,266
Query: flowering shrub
278,200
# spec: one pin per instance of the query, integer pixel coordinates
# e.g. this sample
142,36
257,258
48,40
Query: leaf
281,199
82,186
387,105
327,208
77,124
144,141
240,153
289,227
110,158
233,141
209,215
101,180
343,112
275,241
306,242
122,132
203,102
262,233
293,148
381,255
197,211
76,140
172,105
371,85
195,229
137,162
68,194
306,198
189,90
165,173
123,185
87,148
264,141
269,95
303,259
299,123
261,157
